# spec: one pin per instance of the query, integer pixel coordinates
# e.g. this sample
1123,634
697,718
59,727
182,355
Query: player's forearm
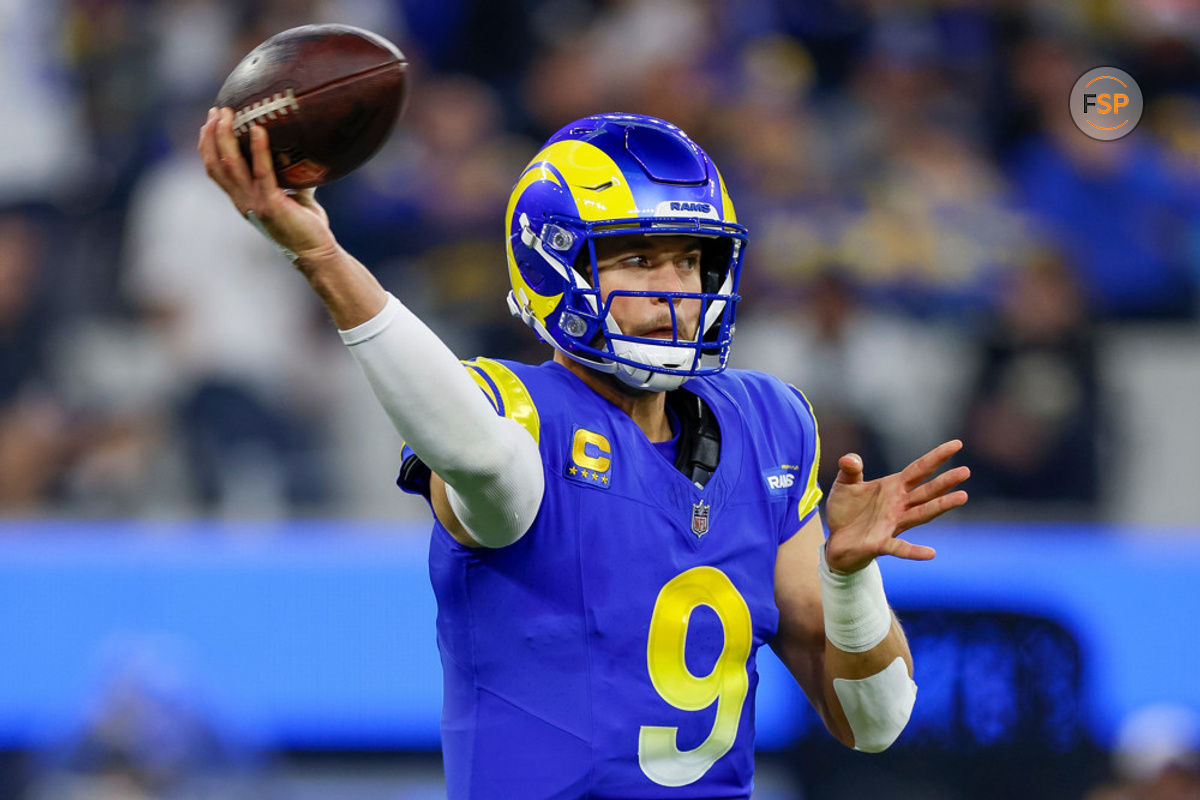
868,683
852,666
841,666
347,288
422,386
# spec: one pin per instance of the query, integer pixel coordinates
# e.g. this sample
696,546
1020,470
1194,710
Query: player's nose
666,278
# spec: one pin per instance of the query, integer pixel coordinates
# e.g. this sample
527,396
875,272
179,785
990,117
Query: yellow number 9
727,684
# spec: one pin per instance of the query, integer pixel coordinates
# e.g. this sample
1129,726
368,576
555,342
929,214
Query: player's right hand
294,220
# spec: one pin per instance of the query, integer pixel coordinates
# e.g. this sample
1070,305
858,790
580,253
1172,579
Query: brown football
328,95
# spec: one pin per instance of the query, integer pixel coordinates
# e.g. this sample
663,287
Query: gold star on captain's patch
604,479
572,470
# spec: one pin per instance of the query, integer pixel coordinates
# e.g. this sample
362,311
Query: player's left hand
866,517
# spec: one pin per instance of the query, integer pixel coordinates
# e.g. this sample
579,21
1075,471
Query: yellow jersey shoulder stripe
812,492
507,394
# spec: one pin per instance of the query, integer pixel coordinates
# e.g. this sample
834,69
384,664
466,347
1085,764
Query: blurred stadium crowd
936,250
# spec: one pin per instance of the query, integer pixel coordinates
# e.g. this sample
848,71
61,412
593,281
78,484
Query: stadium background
211,587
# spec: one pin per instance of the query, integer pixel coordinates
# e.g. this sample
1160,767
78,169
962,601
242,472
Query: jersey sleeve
507,393
805,495
508,396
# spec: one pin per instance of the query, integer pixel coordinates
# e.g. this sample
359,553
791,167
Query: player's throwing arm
490,465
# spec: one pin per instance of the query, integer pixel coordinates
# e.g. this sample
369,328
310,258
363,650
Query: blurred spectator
148,736
1034,418
34,440
1157,757
43,147
426,214
1175,119
187,33
64,445
1119,210
472,46
921,146
641,56
880,385
939,228
888,179
245,350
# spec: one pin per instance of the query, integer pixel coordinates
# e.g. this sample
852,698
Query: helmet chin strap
659,355
648,381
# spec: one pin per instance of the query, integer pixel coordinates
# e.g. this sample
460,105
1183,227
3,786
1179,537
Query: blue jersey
610,652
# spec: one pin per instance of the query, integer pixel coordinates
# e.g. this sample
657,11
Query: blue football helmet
615,175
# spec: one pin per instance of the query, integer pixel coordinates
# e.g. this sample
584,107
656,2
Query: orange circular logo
1106,103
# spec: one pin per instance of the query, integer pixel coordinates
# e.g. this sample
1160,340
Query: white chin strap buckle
662,356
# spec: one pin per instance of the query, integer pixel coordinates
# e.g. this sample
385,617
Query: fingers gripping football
223,162
295,221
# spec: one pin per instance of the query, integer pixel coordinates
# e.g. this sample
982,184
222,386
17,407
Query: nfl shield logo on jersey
700,518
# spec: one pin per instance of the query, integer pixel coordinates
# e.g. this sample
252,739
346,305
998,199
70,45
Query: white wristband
857,616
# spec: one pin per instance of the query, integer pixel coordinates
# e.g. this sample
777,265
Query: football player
619,529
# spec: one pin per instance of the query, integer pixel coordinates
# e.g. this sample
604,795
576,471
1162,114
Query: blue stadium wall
320,634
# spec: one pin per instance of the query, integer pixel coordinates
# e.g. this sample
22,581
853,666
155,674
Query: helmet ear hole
715,256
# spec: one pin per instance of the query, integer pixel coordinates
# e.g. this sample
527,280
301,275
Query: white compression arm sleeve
491,465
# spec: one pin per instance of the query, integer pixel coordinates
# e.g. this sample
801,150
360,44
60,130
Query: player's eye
690,262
